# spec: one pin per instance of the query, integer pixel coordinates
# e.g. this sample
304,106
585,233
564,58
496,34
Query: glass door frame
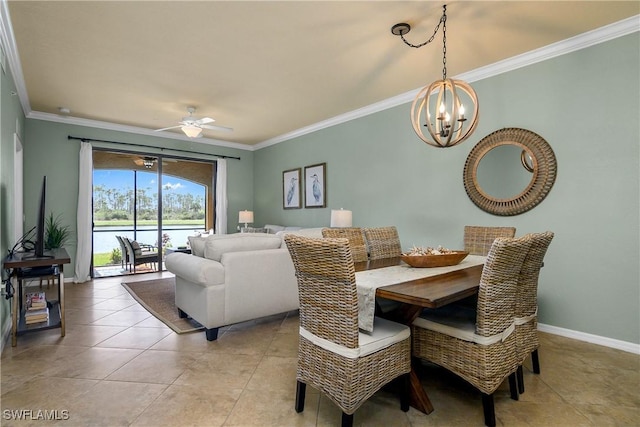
209,202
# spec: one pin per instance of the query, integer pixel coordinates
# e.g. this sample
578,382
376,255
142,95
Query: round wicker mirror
540,158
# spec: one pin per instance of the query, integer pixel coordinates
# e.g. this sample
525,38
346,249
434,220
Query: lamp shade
245,217
191,131
341,218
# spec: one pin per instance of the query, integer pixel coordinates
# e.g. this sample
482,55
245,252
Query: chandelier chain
444,43
442,20
436,119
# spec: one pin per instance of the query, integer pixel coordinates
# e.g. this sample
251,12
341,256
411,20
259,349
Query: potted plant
56,234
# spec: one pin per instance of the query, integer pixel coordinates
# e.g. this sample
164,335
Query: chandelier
447,109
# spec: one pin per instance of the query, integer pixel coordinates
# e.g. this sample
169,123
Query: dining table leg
406,314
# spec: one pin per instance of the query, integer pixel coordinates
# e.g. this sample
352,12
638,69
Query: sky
123,179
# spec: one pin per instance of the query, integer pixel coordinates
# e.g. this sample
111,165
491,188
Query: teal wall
11,121
584,104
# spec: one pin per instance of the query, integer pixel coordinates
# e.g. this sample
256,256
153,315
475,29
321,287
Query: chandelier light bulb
441,132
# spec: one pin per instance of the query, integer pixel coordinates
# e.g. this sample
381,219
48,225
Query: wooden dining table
414,295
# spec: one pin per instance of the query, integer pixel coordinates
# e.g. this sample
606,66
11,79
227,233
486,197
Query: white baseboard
594,339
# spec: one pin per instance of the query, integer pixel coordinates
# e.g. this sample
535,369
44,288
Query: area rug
158,297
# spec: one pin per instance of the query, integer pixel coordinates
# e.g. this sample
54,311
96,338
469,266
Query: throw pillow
197,245
273,229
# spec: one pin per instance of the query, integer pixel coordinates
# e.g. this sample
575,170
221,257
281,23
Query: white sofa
233,278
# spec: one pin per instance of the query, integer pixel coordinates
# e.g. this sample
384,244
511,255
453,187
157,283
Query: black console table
24,266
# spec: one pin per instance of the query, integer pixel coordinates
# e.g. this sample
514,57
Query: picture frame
291,189
315,186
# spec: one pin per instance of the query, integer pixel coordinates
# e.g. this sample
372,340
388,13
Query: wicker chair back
383,242
478,240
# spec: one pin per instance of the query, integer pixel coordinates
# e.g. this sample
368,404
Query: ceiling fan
192,127
148,161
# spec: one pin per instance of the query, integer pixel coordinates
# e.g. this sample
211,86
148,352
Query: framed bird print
315,188
291,189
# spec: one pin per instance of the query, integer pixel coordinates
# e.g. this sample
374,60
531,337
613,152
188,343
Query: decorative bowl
441,260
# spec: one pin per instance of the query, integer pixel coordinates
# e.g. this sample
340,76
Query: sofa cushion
197,244
217,245
254,230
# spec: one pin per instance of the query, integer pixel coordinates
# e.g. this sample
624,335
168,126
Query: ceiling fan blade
171,127
204,120
220,128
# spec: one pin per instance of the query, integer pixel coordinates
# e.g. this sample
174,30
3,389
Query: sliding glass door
155,202
186,187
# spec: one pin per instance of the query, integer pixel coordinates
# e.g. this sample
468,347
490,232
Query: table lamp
341,218
245,217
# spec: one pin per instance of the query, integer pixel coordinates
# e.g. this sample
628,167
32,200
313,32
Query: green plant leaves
56,234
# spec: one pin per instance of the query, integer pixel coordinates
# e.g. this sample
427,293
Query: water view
126,203
104,238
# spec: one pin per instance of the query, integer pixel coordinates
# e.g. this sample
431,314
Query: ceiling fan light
148,162
191,131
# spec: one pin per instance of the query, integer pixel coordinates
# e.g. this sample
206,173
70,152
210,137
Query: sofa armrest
201,271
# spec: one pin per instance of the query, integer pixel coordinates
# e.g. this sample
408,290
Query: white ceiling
267,69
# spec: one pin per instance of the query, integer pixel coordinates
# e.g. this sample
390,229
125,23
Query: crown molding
132,129
563,47
8,44
581,41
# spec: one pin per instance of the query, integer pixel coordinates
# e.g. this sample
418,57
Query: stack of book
36,310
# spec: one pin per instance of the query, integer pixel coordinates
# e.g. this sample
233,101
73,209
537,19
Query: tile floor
120,366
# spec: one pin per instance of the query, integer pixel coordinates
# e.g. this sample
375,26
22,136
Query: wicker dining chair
479,345
526,316
354,235
382,242
478,239
333,356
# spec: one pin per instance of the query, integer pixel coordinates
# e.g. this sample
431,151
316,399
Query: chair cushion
136,247
385,333
459,322
219,244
